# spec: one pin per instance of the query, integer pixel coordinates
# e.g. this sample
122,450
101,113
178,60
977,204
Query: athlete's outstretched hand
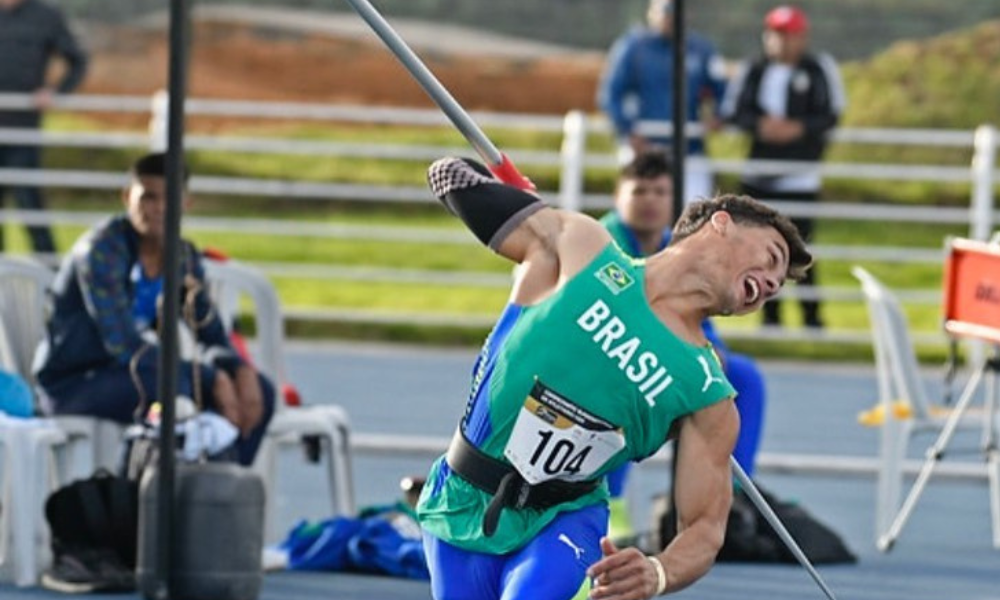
622,574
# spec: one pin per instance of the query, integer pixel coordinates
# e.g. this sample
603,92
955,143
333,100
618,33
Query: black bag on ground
750,538
100,511
94,525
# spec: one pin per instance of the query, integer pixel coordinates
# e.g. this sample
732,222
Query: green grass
910,85
471,300
477,301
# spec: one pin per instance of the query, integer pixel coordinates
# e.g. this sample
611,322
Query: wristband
661,575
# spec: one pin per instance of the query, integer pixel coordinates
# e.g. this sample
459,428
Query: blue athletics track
944,553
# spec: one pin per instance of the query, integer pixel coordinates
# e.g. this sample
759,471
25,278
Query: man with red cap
788,100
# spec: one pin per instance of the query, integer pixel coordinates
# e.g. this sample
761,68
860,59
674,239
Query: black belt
508,487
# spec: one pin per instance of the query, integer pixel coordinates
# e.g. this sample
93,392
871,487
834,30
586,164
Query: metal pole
497,162
167,392
679,139
480,143
779,527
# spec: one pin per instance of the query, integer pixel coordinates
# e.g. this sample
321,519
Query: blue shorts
552,566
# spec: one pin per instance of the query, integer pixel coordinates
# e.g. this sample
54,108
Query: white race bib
556,439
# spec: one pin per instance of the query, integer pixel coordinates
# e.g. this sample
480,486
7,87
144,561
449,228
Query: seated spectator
640,224
101,354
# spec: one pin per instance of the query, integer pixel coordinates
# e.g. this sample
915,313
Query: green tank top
571,388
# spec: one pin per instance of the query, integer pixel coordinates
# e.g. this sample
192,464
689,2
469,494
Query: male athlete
597,360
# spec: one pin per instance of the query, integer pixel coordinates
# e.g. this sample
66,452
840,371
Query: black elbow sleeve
490,209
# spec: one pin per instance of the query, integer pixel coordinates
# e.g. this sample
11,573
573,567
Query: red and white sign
972,290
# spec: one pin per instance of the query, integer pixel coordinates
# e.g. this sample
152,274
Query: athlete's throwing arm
597,360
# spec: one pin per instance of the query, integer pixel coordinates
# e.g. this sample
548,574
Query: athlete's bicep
706,441
703,490
534,238
551,246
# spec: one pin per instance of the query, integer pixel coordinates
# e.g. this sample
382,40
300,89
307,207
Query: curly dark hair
746,211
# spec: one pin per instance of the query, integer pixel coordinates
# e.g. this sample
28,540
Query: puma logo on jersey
709,378
576,549
642,367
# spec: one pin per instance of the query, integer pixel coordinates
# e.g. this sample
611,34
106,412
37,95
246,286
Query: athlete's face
646,204
754,265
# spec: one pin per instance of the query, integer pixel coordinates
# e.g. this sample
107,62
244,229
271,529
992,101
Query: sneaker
83,570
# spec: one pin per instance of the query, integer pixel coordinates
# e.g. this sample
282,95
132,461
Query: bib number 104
560,456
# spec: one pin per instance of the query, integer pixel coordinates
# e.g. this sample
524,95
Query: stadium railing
573,159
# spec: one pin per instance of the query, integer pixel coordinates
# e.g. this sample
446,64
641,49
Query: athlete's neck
676,292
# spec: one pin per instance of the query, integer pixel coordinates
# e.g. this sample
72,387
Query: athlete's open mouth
752,290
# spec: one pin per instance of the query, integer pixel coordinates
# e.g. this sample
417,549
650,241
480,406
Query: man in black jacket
788,100
31,33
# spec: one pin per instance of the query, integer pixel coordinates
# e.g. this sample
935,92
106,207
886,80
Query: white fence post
981,207
983,164
574,149
158,121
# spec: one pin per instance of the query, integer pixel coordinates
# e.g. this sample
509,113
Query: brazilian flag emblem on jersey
614,277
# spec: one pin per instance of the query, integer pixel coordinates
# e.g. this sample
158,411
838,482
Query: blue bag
385,539
380,547
320,546
16,399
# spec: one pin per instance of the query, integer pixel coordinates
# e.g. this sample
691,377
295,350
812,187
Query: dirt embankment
254,62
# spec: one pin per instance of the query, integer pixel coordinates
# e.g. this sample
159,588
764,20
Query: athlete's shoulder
582,236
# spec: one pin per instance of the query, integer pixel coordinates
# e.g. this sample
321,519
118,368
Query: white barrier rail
767,462
573,159
299,229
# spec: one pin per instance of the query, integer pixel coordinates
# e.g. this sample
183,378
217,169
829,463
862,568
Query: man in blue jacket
636,91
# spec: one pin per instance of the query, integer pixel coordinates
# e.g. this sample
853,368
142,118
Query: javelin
779,528
498,163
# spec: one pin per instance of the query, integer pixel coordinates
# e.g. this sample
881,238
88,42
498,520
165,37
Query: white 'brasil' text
646,370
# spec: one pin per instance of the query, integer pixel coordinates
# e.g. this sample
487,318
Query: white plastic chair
24,286
30,468
30,472
228,282
903,396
